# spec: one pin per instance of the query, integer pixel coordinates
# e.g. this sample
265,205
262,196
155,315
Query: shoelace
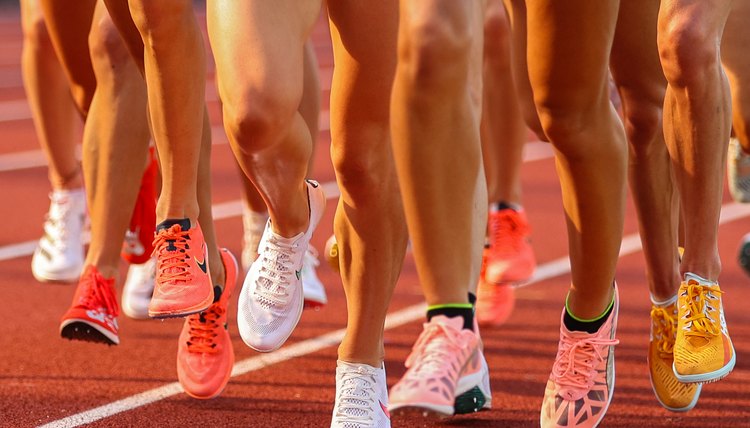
575,367
506,231
435,345
172,264
357,396
275,273
203,328
56,220
697,298
665,327
98,293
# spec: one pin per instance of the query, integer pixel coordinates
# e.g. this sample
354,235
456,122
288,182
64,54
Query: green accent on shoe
470,401
451,305
567,309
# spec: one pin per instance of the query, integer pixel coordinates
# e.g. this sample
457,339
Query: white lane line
630,244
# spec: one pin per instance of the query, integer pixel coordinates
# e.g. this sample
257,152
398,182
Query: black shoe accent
502,205
466,313
85,333
166,224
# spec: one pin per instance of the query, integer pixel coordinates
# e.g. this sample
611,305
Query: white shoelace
357,397
56,222
275,273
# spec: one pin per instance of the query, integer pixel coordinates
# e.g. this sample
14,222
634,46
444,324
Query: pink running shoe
580,387
511,259
444,354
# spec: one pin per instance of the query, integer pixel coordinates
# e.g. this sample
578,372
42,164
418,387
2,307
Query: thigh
258,46
568,48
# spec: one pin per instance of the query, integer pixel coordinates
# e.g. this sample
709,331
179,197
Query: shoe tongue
698,280
166,224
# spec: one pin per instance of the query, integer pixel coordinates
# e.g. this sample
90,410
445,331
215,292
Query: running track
46,380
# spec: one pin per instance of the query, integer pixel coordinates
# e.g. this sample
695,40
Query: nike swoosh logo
385,409
202,263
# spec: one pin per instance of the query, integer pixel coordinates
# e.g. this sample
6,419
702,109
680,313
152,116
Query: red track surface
44,378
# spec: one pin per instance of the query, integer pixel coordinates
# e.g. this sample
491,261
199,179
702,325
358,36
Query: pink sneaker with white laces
441,364
580,387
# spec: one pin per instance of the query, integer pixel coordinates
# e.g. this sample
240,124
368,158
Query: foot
441,357
59,254
703,351
183,279
138,289
582,381
92,316
272,297
204,353
361,397
672,394
510,259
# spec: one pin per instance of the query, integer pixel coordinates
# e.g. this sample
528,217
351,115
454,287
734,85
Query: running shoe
204,353
511,258
138,289
672,394
183,279
582,381
92,317
59,254
744,254
738,172
442,365
272,297
313,289
477,397
361,397
703,351
495,302
137,246
254,224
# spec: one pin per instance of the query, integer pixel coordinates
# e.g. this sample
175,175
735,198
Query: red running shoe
511,259
204,355
137,247
495,302
183,279
92,316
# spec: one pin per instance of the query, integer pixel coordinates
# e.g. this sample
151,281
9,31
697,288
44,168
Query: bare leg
48,92
697,121
369,224
570,80
435,106
642,93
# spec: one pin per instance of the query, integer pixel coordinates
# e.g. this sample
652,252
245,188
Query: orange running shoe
183,279
137,247
495,302
511,259
92,316
582,381
204,354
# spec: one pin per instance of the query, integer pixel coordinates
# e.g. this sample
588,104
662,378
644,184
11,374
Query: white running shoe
738,172
271,300
138,289
314,290
361,397
254,223
59,254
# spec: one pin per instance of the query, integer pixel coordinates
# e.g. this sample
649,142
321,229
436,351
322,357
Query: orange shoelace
172,264
203,328
698,300
665,327
575,366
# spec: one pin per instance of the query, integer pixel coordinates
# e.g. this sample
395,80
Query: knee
36,36
107,48
687,51
435,51
366,169
257,119
642,122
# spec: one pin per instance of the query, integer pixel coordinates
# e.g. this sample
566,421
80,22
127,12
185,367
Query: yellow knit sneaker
672,394
703,351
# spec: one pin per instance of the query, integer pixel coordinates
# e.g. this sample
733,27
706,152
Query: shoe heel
470,401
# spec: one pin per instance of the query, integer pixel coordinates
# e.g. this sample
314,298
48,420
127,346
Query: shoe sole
713,376
54,279
81,330
675,409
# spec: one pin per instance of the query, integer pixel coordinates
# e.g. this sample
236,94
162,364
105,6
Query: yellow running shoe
703,351
672,394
